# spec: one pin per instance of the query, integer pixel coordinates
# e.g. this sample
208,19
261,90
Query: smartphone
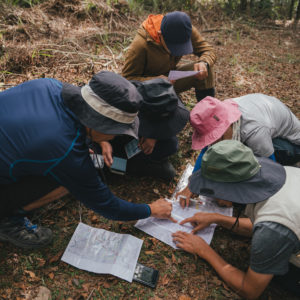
119,165
132,148
97,160
145,275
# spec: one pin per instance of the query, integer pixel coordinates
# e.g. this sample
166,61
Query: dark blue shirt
39,135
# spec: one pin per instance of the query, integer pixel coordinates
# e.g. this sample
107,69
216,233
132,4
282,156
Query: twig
78,53
113,56
216,29
90,295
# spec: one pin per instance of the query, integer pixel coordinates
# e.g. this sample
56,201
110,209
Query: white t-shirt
263,119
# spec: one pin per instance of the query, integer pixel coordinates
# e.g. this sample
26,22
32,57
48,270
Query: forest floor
72,40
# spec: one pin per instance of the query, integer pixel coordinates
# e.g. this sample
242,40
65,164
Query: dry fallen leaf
51,275
167,261
184,297
156,191
149,252
86,286
94,219
41,262
174,261
56,257
30,273
106,285
165,280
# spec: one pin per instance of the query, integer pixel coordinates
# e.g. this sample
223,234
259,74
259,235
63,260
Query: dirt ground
70,41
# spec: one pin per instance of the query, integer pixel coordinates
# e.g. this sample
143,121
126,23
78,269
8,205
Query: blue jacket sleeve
272,157
78,175
199,160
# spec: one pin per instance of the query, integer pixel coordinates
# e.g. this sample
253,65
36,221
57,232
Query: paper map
175,75
103,252
163,229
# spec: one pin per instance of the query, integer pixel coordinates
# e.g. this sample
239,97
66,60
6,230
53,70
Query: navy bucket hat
108,104
176,29
231,172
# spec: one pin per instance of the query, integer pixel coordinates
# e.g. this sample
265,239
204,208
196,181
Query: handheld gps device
145,275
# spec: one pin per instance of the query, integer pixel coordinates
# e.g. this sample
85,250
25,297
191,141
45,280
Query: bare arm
249,285
202,220
243,227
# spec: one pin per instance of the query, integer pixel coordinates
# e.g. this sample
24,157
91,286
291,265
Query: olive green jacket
146,59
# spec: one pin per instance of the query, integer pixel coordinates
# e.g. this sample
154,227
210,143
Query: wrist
215,218
206,64
152,209
219,219
103,143
204,251
149,209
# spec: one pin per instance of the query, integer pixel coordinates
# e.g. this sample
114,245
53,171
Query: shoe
201,94
158,169
22,233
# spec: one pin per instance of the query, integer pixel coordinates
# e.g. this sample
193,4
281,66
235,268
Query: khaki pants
187,83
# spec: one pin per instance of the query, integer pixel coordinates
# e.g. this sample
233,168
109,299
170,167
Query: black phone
145,275
118,166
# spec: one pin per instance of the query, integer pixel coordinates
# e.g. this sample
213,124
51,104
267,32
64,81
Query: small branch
90,295
216,29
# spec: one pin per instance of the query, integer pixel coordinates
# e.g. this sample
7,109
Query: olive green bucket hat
231,172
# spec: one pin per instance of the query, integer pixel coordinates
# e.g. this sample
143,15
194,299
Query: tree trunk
243,5
298,12
297,16
291,9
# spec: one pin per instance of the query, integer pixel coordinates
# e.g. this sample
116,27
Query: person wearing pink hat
261,122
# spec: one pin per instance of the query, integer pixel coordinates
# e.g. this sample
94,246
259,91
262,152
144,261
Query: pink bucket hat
210,119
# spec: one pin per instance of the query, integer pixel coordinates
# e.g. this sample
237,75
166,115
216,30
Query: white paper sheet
163,229
103,252
175,75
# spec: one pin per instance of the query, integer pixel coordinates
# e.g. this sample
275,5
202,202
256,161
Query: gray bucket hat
108,104
231,172
162,115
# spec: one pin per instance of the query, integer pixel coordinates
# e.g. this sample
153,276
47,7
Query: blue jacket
39,135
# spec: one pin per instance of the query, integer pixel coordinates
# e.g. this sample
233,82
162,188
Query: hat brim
199,141
91,118
267,182
164,128
180,49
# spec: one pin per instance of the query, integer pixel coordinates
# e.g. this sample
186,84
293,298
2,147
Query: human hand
190,243
200,221
162,209
147,145
107,151
202,69
184,197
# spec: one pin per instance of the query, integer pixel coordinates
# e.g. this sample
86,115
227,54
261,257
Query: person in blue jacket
44,124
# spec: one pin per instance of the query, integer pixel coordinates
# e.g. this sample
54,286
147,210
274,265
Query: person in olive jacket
158,47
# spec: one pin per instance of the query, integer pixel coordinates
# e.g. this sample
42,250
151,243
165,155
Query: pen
195,201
